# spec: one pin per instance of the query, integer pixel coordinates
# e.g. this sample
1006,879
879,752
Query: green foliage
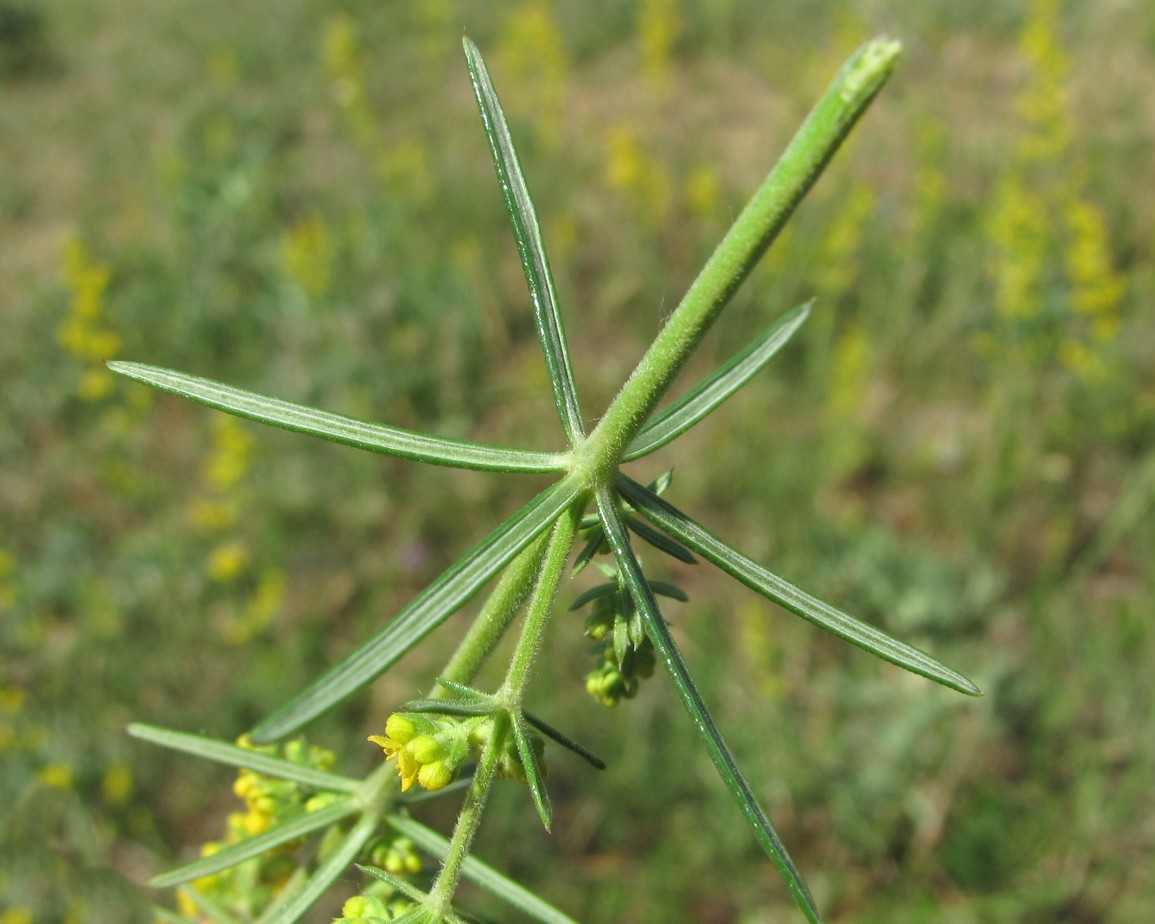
280,206
430,750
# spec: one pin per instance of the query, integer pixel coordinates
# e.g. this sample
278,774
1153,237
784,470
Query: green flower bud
435,776
426,749
400,728
364,908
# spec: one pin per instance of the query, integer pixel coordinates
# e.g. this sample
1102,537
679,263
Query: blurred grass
959,447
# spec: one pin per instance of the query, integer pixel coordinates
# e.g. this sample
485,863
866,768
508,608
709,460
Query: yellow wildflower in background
228,460
703,192
229,561
307,252
1055,286
532,56
57,775
630,170
659,25
84,333
116,785
345,65
838,267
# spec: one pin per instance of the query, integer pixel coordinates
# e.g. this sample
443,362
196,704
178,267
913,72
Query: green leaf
235,756
711,392
450,706
786,595
527,231
429,609
594,593
482,874
659,541
306,823
588,552
406,888
532,768
659,634
327,873
340,429
564,740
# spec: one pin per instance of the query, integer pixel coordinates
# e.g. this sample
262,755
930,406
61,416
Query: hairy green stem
545,588
495,617
540,605
469,819
757,226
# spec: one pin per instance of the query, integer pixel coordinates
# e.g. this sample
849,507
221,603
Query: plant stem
469,819
495,617
541,604
552,565
829,122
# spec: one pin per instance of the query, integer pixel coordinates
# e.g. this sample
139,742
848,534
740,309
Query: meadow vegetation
958,447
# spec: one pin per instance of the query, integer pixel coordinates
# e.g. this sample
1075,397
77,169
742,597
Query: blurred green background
297,198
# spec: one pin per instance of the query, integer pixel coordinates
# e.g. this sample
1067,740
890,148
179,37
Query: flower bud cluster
430,749
372,909
625,654
268,801
267,798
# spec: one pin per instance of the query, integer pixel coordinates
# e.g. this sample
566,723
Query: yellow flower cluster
659,25
430,749
533,58
345,63
630,170
267,801
1051,246
307,253
427,750
403,163
839,266
216,513
85,333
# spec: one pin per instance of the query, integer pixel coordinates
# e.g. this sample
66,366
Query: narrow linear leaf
664,589
328,872
786,595
660,541
589,550
340,429
306,824
222,752
450,707
564,740
482,874
716,746
463,690
594,593
711,392
428,610
530,246
408,889
532,768
752,232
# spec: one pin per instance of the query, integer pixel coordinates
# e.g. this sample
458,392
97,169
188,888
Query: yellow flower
229,561
56,775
